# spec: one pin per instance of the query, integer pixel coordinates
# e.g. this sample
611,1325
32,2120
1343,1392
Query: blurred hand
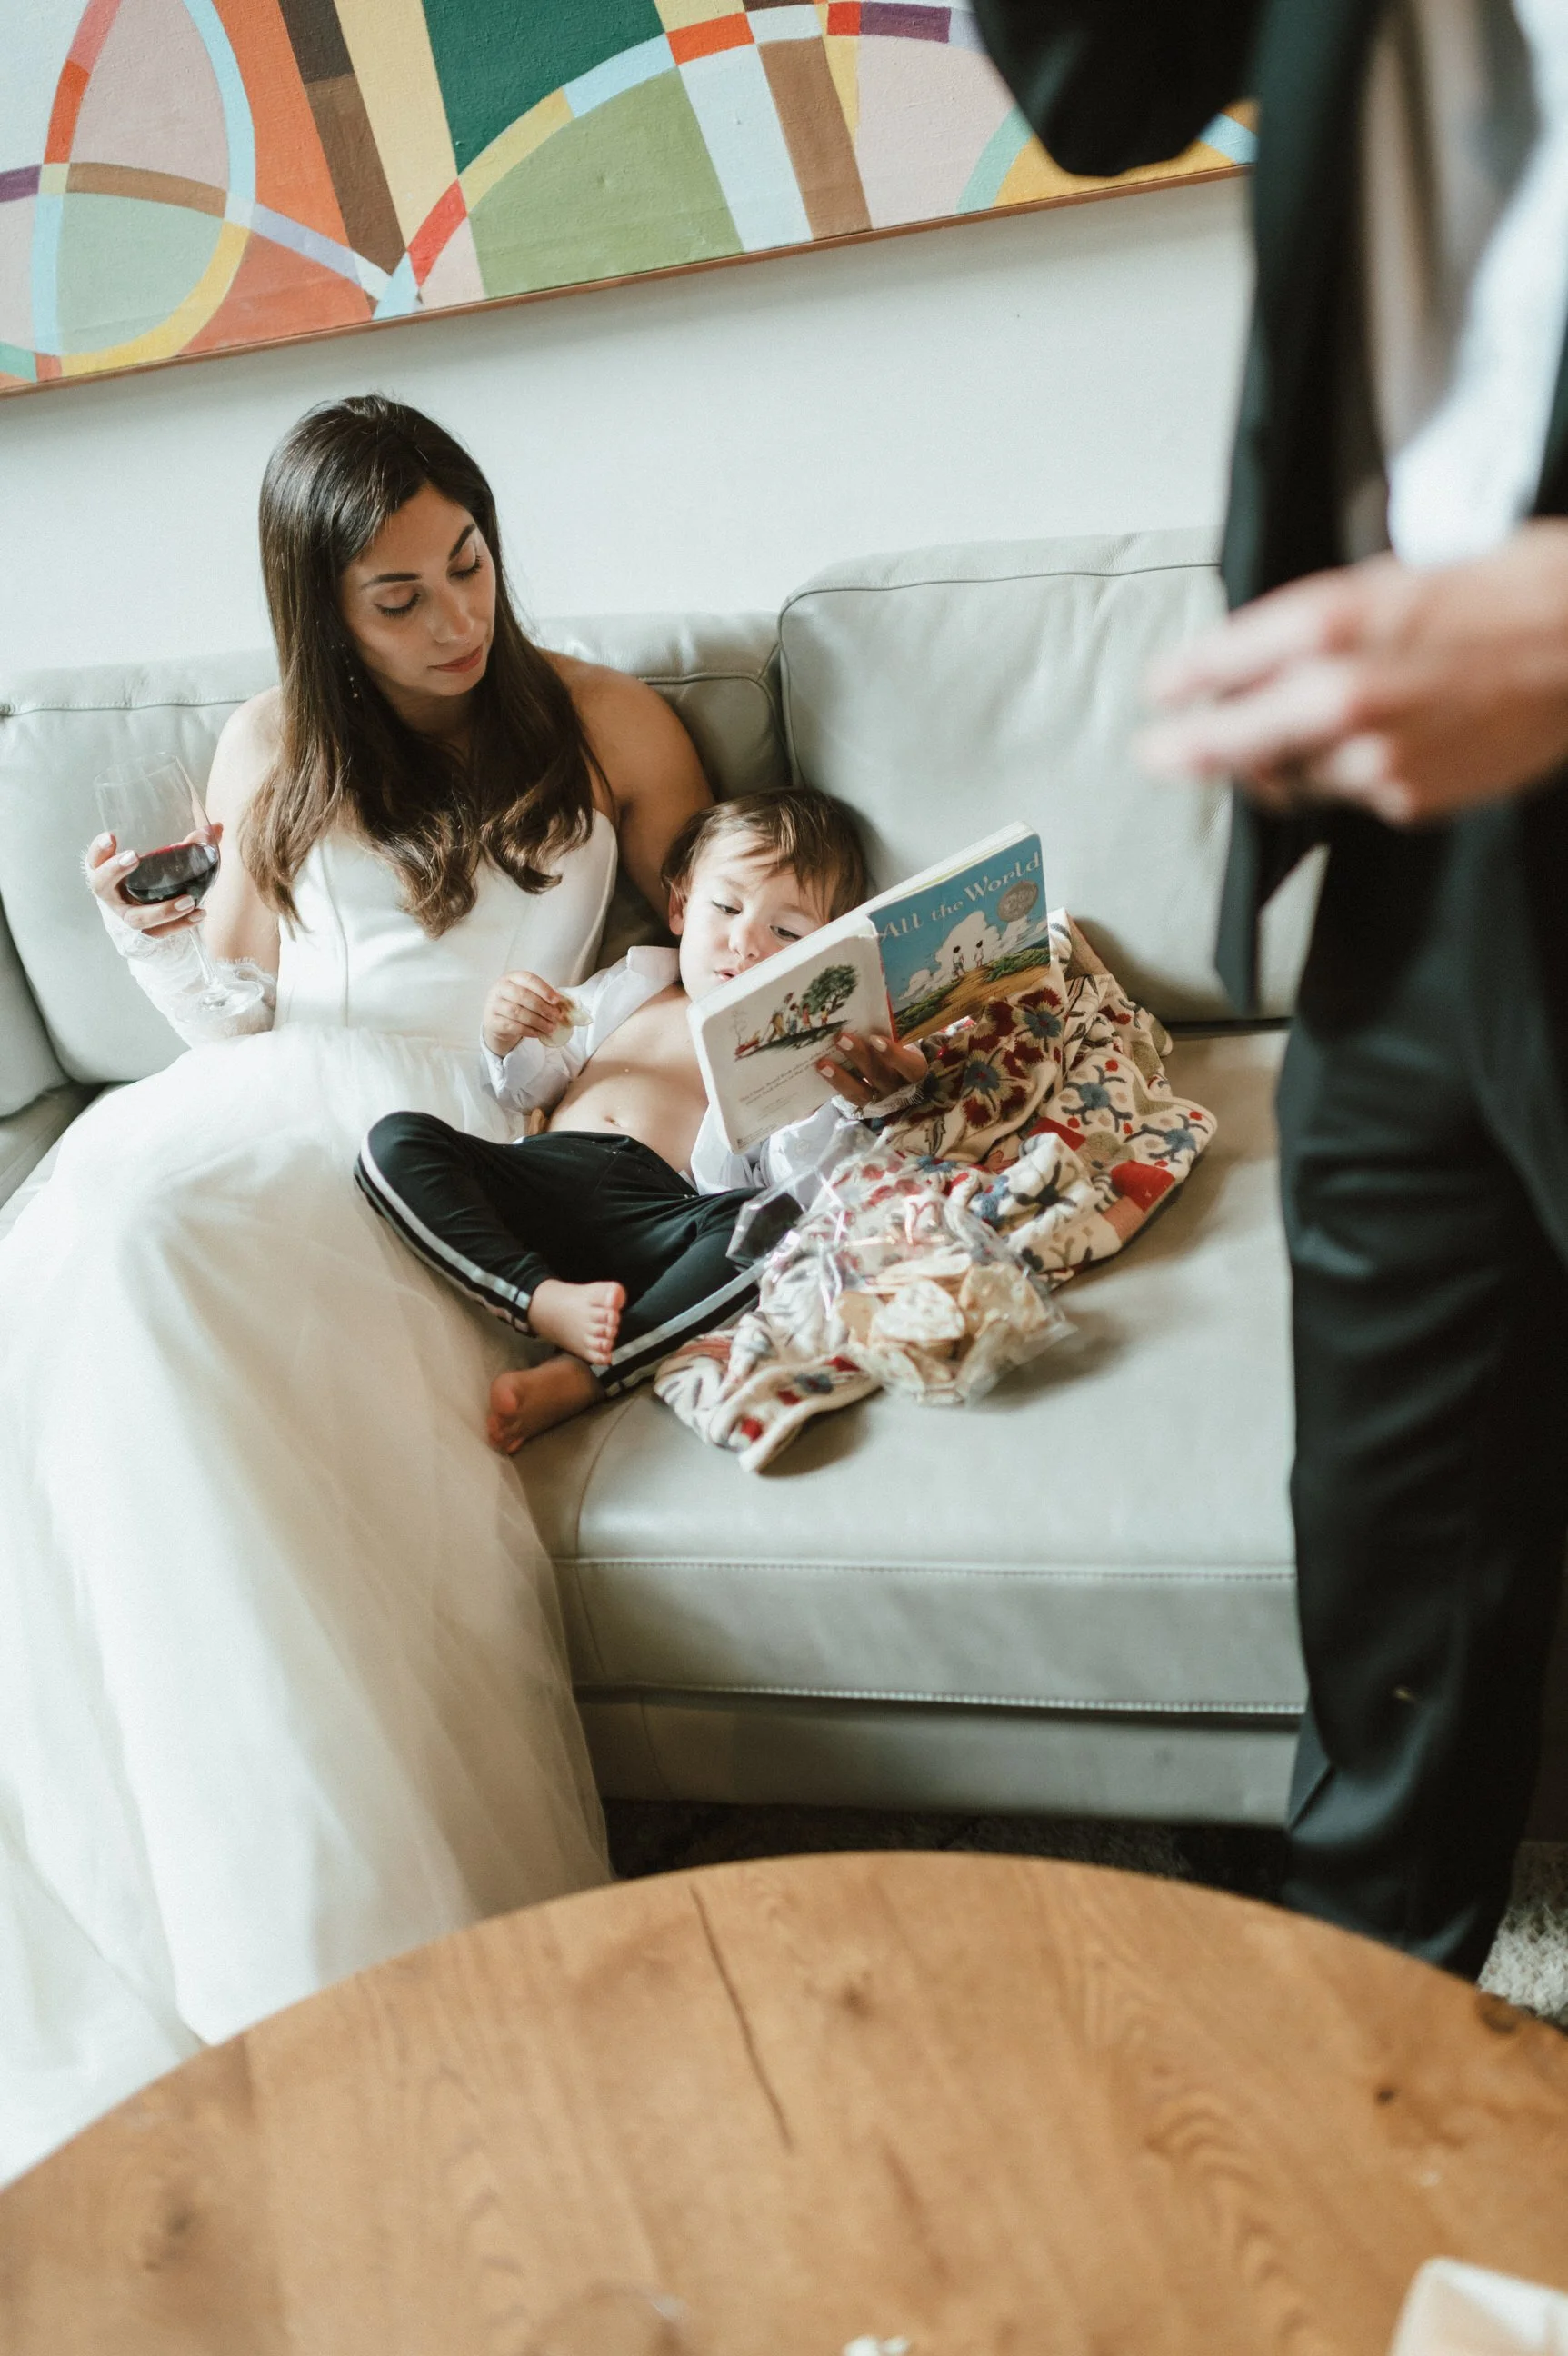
867,1069
107,867
1409,694
522,1006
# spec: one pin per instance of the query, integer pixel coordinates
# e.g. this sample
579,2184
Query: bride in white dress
283,1689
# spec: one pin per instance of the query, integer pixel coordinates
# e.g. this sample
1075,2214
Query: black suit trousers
1424,1160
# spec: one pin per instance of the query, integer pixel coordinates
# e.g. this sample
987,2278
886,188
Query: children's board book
911,960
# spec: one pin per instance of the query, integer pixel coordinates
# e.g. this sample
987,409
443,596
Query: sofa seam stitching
757,678
1068,1705
976,581
934,581
1043,1574
96,711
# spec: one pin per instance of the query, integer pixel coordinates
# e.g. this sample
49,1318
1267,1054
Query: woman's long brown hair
524,793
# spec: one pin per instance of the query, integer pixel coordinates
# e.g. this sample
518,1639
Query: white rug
1529,1962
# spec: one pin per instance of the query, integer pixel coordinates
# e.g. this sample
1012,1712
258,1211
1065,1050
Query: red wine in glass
156,803
178,867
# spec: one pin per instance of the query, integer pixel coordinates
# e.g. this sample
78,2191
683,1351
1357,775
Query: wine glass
155,811
619,2320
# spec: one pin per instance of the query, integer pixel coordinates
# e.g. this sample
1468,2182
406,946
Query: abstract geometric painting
186,176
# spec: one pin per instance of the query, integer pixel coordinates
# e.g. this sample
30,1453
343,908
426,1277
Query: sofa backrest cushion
719,671
62,730
946,691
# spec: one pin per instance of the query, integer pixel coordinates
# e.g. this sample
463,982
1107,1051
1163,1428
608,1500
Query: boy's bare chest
654,1043
644,1080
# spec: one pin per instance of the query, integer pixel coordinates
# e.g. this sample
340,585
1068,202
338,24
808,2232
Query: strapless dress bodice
358,960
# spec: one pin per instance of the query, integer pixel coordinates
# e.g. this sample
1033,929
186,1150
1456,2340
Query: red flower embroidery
1139,1183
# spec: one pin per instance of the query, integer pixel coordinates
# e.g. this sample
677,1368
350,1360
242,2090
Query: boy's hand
522,1006
865,1070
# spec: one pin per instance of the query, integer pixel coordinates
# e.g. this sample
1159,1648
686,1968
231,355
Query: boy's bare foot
581,1318
530,1399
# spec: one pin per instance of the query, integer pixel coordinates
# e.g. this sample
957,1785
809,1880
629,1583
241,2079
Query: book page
758,1049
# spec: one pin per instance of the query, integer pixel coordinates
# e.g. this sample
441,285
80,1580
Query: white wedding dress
282,1682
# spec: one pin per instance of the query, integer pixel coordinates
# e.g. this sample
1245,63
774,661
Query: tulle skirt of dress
282,1681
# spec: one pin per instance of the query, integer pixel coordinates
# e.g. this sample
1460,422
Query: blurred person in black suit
1393,682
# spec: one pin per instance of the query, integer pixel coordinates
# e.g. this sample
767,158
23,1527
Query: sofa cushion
1038,650
28,1065
29,1139
59,731
1107,1532
719,671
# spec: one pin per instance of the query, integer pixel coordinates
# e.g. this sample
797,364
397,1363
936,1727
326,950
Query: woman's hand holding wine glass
151,868
111,875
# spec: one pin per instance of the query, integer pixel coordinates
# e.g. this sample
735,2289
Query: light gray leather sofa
1075,1597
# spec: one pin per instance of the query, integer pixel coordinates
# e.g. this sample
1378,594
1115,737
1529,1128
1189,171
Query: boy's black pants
1424,1136
495,1220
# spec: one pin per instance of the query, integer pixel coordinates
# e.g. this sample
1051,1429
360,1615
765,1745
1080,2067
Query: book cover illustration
759,1038
949,942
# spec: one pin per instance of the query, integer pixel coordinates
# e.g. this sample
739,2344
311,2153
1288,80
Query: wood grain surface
990,2103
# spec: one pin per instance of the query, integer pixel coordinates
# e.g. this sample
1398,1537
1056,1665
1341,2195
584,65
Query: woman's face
420,605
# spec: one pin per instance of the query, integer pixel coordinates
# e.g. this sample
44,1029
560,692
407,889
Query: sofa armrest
26,1137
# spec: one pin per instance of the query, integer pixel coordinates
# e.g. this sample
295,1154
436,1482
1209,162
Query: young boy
608,1233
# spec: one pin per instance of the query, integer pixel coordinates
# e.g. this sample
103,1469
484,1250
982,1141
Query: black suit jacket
1111,83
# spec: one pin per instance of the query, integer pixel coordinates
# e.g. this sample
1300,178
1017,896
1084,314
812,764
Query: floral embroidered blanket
1046,1115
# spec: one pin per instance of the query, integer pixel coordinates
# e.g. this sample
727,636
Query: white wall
706,441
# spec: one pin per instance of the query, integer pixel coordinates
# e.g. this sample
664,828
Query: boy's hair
803,829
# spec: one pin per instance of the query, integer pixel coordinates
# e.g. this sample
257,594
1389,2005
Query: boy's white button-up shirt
537,1072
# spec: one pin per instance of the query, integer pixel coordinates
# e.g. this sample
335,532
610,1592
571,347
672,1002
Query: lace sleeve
170,974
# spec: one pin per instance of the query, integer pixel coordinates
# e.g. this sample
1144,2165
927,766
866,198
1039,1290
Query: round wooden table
982,2104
